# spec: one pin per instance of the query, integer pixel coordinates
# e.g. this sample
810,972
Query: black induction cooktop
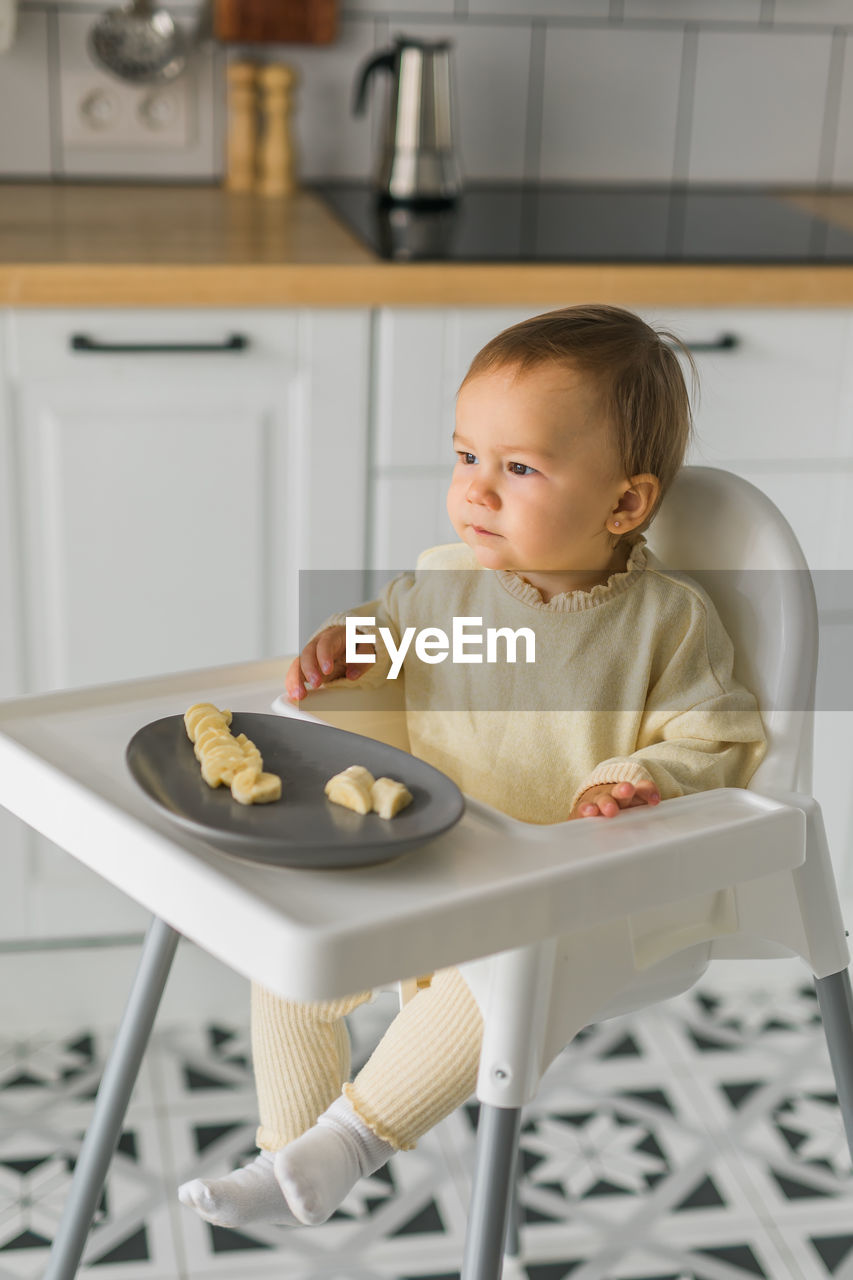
571,223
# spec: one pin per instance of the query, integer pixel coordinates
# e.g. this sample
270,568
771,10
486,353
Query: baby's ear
639,499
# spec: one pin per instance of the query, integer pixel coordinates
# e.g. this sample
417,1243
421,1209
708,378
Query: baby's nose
482,493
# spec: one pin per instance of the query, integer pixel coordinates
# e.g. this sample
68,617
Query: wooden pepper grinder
276,153
242,127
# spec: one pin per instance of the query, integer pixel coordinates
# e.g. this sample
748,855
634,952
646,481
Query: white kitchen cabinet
167,497
776,406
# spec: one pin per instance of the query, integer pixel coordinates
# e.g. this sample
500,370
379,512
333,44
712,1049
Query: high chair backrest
728,535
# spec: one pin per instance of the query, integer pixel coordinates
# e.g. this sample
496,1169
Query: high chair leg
512,1246
114,1093
836,1010
494,1171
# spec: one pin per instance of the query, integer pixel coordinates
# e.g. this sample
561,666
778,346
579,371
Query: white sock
317,1172
247,1195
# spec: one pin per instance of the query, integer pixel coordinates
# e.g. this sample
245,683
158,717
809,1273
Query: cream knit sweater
631,680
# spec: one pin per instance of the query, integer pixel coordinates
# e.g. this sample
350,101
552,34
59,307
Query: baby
569,429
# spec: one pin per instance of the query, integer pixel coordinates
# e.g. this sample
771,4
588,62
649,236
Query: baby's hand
323,659
611,797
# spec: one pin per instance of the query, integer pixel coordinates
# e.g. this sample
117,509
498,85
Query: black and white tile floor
699,1140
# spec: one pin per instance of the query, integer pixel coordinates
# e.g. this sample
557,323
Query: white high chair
730,537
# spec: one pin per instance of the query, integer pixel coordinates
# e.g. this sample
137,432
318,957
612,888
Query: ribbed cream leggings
422,1069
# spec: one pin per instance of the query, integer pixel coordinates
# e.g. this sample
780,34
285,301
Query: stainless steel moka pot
417,163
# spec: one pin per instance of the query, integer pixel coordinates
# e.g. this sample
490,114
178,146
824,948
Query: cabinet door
168,500
145,502
777,408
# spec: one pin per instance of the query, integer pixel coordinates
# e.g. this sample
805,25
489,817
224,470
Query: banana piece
351,788
210,737
388,797
199,711
222,764
255,787
225,760
357,789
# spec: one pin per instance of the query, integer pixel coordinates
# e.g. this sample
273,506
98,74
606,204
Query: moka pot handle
386,60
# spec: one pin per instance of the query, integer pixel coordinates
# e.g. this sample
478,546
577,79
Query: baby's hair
644,396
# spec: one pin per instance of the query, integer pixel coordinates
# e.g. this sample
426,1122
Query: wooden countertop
98,245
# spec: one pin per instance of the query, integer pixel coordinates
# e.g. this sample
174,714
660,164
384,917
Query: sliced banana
221,764
351,788
388,797
357,789
210,734
225,760
252,787
200,711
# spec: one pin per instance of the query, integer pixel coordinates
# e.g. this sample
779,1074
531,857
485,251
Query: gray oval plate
303,828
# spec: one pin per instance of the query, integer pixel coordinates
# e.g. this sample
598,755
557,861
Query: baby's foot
246,1196
317,1172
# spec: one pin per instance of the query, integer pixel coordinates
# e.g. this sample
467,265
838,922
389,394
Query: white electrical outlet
100,111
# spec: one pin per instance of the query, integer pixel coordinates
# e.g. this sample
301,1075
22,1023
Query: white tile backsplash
610,104
25,100
385,7
719,91
842,160
710,11
759,106
813,12
540,8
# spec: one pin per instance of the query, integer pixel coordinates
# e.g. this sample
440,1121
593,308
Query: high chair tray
303,828
488,884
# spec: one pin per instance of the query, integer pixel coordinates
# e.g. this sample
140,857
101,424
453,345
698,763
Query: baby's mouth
478,529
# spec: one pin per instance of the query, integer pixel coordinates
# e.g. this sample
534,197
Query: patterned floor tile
132,1231
700,1140
47,1084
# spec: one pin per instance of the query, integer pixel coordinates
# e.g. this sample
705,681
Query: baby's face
537,476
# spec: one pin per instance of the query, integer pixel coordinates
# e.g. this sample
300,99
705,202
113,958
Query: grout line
534,107
675,227
371,470
615,16
685,104
832,111
54,105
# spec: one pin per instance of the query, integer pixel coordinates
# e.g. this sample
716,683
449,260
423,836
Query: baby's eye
521,469
467,459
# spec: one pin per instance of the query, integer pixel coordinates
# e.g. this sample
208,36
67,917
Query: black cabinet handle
725,342
82,342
